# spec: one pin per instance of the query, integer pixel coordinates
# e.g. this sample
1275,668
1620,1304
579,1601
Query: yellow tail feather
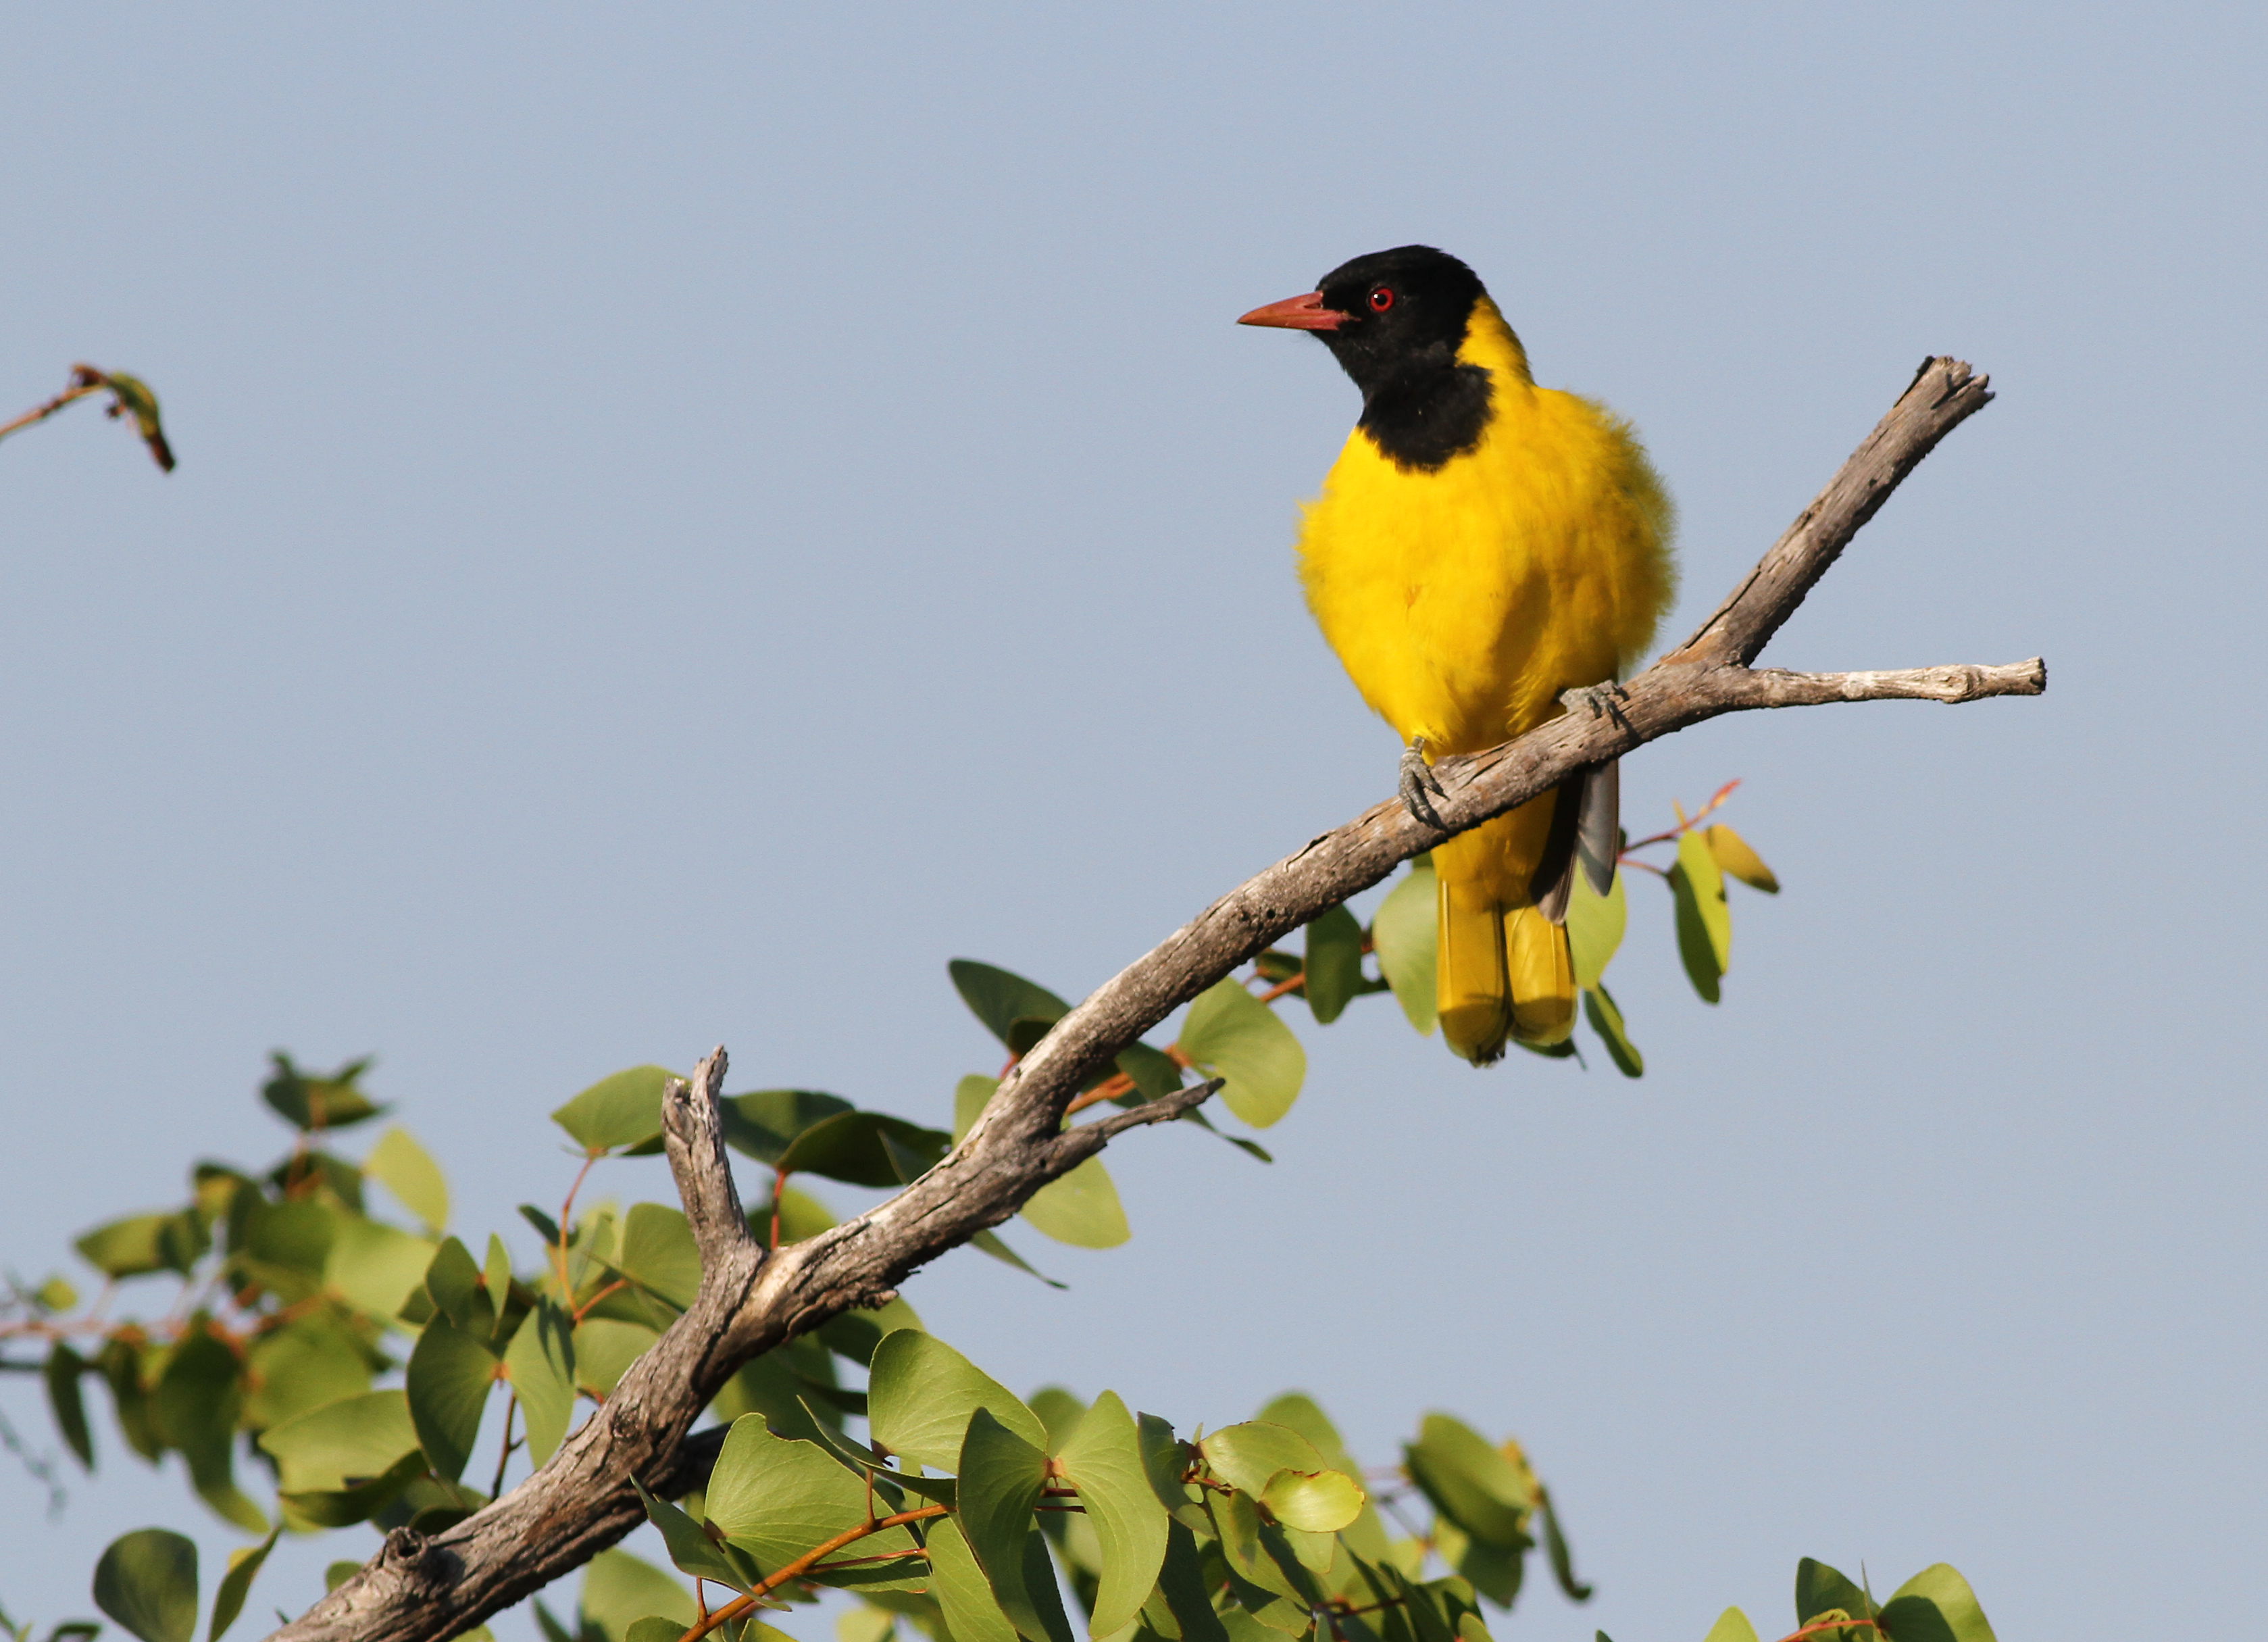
1542,977
1503,969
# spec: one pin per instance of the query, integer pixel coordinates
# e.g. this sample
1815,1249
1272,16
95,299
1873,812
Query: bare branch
426,1590
1944,394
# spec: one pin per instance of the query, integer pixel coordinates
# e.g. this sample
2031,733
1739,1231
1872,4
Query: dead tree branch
420,1589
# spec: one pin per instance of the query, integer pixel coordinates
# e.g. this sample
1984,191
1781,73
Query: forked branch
420,1589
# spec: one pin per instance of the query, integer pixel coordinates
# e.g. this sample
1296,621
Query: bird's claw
1605,701
1418,780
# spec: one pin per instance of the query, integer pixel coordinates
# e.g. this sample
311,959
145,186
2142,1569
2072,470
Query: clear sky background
690,518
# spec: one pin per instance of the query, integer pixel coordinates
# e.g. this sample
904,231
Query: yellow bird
1482,547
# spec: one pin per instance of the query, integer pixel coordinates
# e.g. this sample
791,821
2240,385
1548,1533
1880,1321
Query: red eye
1381,297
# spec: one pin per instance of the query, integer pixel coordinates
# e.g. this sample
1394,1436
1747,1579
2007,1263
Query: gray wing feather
1598,831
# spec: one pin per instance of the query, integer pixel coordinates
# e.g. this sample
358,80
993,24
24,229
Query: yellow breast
1463,601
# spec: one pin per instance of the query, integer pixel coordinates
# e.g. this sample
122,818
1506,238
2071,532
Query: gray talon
1417,780
1605,701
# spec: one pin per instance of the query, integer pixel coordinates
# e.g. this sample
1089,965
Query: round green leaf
920,1393
540,1362
957,1581
407,1170
1594,927
1334,964
147,1581
1000,999
353,1439
1081,1209
450,1373
1232,1032
1103,1459
1246,1456
1406,934
621,1111
1317,1502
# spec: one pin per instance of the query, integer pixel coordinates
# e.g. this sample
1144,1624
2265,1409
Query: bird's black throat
1423,419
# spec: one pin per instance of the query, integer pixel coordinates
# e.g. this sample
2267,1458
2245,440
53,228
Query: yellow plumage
1463,600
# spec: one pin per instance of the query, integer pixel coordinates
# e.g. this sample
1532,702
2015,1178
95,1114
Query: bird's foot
1418,780
1605,701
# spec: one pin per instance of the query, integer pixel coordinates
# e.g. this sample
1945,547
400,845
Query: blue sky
689,519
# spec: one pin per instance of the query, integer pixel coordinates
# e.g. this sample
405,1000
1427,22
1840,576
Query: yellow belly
1464,600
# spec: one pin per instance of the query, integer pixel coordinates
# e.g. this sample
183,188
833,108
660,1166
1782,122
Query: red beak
1298,313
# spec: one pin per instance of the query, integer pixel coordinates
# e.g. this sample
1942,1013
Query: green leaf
988,1243
775,1498
1366,1536
765,1123
1232,1032
1470,1483
1734,857
692,1550
147,1581
407,1170
1606,1018
55,1294
1406,934
318,1358
619,1589
1103,1459
195,1405
1556,1547
1495,1571
62,1372
450,1373
889,1482
135,398
658,1253
1732,1626
1705,923
971,1614
1257,1553
353,1439
854,1147
134,1246
618,1112
244,1564
855,1334
1182,1582
342,1507
1334,964
604,1348
1594,927
541,1364
310,1103
454,1282
1936,1605
999,1000
1313,1502
1246,1456
1820,1590
1081,1207
1001,1472
1153,1071
970,1096
376,1268
921,1393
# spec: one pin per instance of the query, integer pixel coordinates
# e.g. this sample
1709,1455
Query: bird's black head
1395,320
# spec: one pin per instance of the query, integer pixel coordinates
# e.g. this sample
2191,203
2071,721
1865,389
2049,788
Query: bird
1481,547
